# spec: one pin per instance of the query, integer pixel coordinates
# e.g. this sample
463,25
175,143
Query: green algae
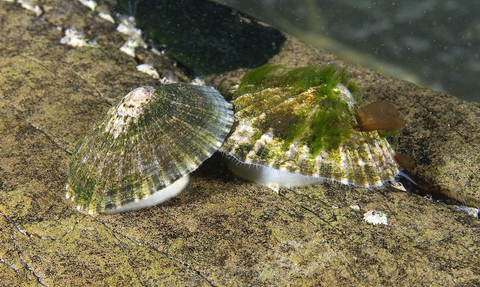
303,78
327,128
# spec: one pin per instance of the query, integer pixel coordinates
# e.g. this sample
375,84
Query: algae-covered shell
141,151
298,127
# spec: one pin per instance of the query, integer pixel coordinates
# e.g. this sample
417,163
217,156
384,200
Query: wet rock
221,230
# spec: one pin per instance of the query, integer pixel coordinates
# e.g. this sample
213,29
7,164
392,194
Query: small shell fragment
375,217
144,147
355,207
469,210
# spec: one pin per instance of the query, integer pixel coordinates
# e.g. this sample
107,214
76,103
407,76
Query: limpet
141,151
298,127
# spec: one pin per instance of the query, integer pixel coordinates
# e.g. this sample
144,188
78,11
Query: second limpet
297,127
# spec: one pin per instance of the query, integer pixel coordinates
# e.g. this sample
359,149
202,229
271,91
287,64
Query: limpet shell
145,147
298,127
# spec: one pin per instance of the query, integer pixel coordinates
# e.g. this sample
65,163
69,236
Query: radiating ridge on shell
152,138
297,127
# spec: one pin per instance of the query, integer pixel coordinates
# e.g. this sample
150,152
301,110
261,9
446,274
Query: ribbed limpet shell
141,151
298,127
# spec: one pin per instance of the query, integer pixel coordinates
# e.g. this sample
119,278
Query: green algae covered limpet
298,127
141,151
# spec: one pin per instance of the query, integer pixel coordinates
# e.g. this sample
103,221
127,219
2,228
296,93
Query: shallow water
433,43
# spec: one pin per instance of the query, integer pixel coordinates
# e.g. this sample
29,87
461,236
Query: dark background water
189,29
431,42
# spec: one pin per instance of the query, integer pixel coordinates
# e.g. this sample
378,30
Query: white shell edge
268,175
160,196
277,178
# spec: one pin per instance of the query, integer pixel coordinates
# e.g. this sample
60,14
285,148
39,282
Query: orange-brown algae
405,161
379,115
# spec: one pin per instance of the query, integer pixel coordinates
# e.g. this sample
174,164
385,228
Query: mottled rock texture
221,230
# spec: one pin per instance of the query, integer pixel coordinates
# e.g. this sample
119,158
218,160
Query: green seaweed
274,76
326,128
329,130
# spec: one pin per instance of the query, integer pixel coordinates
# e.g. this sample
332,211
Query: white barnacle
29,5
89,3
149,70
107,17
198,82
74,38
127,27
355,207
135,39
129,47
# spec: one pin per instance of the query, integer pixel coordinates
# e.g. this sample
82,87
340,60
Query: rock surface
221,230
